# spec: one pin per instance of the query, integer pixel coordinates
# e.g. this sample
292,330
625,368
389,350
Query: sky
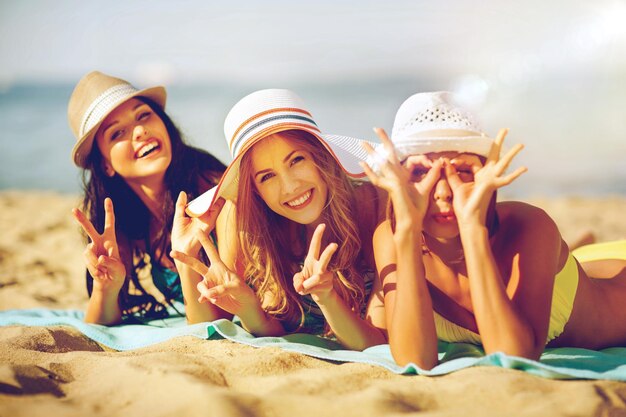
503,42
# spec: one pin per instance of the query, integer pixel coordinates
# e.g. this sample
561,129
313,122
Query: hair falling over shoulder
274,247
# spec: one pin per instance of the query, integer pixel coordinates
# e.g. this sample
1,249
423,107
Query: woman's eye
417,174
297,159
144,115
116,134
266,177
465,173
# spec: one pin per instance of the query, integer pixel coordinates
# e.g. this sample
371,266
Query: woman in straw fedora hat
467,269
132,154
294,236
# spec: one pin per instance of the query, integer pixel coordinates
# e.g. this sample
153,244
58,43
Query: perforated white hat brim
434,122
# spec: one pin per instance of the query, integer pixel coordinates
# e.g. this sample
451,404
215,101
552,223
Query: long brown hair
191,170
274,246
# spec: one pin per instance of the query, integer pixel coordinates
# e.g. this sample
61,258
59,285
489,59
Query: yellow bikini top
565,285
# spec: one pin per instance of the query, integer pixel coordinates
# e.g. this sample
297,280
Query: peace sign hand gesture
102,254
408,186
314,278
471,199
220,286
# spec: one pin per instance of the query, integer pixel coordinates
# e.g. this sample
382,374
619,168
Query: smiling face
134,142
287,178
440,221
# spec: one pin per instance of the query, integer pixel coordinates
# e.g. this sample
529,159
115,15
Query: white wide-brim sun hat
435,122
264,113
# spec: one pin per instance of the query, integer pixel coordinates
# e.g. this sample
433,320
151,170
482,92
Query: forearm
257,322
103,308
411,325
350,329
196,311
501,326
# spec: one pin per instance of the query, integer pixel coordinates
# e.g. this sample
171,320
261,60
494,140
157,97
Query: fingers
496,147
472,162
512,176
181,202
504,163
190,261
107,265
311,283
316,242
453,177
387,144
87,226
316,283
374,179
324,260
111,248
218,291
377,159
419,160
501,135
209,248
431,178
91,260
387,155
109,215
298,279
368,148
205,292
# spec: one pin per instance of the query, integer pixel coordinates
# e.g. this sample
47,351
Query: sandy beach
56,371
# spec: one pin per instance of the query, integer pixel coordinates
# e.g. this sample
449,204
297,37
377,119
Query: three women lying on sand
292,237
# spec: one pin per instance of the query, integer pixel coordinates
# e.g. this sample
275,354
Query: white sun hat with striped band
264,113
94,97
435,122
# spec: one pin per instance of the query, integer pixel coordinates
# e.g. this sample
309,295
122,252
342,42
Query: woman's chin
442,231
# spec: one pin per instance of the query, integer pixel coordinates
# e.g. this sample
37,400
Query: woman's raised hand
408,186
220,286
185,229
314,278
102,254
471,198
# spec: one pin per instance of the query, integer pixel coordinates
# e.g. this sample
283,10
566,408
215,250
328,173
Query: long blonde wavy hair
273,247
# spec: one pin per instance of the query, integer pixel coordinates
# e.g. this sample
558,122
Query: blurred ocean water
575,135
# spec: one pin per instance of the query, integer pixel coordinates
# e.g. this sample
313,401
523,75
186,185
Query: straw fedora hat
94,97
434,122
262,114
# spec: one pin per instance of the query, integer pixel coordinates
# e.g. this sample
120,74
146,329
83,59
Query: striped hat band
267,121
103,104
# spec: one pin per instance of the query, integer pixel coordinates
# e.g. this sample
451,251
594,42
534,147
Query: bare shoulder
518,213
523,225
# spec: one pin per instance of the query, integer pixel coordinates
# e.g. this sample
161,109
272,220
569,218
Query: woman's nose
289,183
139,132
442,190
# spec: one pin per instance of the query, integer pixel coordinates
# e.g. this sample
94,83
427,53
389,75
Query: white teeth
300,201
147,149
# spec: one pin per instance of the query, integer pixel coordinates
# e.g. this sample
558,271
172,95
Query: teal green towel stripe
559,363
